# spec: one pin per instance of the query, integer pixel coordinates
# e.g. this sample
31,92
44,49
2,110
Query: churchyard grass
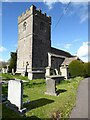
10,76
46,106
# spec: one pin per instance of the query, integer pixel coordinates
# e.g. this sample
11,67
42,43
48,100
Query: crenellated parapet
35,12
43,16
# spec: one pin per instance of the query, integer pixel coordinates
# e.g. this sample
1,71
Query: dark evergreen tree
13,61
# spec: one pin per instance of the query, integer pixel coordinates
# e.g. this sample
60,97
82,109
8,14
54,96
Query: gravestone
50,86
13,71
30,76
64,71
51,82
7,69
15,94
4,70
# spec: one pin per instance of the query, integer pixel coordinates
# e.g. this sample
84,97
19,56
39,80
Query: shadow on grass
4,89
28,118
30,85
32,118
38,103
61,91
32,105
7,113
65,81
36,118
25,96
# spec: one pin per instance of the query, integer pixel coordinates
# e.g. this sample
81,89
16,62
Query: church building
34,51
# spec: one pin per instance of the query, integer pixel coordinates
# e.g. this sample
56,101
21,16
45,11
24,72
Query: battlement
36,12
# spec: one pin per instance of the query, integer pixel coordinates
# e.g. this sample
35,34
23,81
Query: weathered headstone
51,82
64,71
13,71
15,94
50,86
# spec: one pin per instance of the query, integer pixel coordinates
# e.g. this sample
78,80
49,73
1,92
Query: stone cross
26,66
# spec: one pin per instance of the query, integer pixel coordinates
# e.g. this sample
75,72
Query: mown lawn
46,106
10,76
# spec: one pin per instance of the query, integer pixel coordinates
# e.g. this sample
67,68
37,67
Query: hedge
87,69
78,68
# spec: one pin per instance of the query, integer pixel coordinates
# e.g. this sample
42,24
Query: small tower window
42,26
24,26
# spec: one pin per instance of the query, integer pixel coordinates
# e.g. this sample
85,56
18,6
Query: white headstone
47,71
12,71
3,70
15,93
64,71
6,70
30,75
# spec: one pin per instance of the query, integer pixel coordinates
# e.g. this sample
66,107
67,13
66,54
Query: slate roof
68,60
60,52
63,54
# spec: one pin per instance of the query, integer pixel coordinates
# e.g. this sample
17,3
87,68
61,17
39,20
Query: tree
76,68
13,61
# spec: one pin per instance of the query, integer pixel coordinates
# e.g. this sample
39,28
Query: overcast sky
69,32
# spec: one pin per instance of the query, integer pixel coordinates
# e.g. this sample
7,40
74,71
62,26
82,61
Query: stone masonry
34,42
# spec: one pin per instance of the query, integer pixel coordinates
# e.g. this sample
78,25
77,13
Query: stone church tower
34,40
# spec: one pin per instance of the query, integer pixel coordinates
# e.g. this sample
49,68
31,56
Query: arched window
24,26
41,26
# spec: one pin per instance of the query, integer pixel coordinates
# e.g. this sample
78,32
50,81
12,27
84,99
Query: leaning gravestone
15,94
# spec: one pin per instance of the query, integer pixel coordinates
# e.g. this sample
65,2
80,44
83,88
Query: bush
87,69
76,68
